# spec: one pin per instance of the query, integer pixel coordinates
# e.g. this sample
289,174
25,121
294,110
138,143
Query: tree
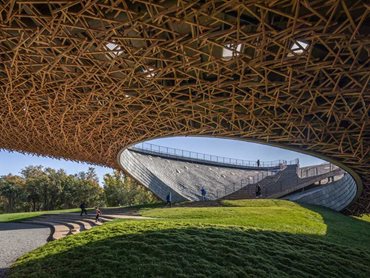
36,186
114,188
54,188
122,190
42,188
139,193
88,189
12,191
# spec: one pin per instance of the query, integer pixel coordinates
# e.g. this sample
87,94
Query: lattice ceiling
84,79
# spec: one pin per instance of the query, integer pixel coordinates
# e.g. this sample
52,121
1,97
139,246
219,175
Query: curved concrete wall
184,179
336,195
159,186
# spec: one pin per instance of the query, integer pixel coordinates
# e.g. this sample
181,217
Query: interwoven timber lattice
83,79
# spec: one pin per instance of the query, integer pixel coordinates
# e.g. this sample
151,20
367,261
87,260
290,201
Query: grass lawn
10,217
254,238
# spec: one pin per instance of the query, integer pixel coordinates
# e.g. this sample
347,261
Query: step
73,227
77,216
90,218
84,225
57,230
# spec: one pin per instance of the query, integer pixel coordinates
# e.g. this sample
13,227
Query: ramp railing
315,170
195,156
244,182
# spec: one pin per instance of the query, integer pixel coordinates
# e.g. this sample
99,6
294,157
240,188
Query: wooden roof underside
296,73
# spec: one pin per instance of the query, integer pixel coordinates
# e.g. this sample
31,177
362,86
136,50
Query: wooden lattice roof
84,79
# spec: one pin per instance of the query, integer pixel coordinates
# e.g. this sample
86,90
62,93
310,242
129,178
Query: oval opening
201,168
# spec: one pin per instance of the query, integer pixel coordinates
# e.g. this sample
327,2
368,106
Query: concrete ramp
336,195
184,178
164,171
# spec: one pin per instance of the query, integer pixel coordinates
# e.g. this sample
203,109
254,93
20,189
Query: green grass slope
254,238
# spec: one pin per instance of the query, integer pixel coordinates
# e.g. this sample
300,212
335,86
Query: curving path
17,239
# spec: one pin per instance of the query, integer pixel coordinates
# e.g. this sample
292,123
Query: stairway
269,185
285,182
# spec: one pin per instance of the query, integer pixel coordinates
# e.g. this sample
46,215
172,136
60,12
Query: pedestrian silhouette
97,214
169,199
258,190
83,208
203,192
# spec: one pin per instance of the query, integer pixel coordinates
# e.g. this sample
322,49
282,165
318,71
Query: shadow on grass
162,249
343,229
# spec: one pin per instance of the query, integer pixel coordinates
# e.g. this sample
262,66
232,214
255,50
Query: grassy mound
241,238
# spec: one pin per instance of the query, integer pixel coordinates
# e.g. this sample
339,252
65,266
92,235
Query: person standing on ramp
203,192
169,199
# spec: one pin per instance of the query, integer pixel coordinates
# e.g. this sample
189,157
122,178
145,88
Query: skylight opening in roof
298,48
231,50
130,94
114,49
149,72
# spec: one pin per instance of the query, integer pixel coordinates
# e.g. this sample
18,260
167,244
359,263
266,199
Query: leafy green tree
138,193
91,193
36,186
121,190
42,188
54,188
69,197
12,191
114,190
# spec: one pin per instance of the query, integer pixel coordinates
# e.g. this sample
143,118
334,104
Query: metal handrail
250,180
207,157
302,173
316,170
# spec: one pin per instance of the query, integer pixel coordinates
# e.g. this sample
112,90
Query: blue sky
13,162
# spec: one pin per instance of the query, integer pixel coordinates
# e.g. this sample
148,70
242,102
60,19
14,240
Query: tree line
38,188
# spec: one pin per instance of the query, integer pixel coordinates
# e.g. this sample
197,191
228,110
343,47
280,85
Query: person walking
169,199
203,192
258,191
97,214
83,208
258,163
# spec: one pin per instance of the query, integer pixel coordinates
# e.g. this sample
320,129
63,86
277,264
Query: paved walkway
17,239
